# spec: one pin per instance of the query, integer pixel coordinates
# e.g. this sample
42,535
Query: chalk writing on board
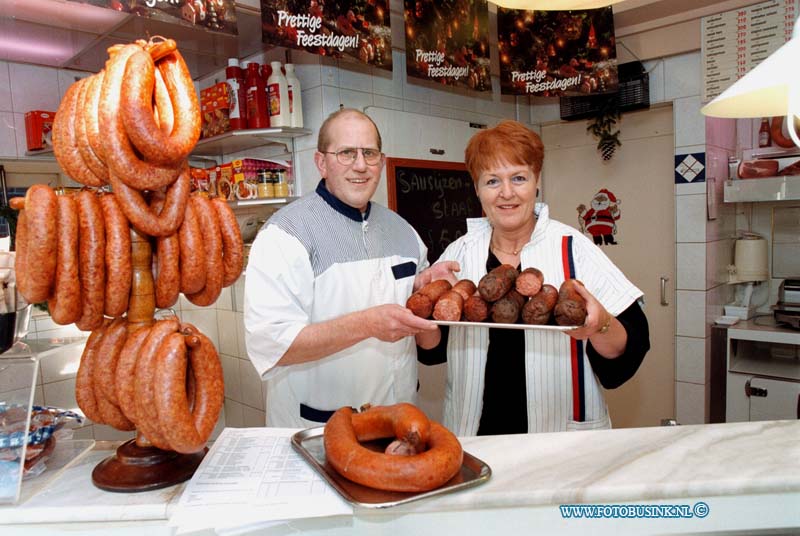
436,198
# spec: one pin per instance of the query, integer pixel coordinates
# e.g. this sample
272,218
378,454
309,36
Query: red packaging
257,116
38,125
237,94
214,107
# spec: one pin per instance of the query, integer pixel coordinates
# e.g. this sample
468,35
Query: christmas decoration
602,126
600,221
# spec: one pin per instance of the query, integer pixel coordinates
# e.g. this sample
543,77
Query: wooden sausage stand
137,465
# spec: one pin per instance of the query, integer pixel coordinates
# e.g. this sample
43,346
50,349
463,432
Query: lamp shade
554,5
766,90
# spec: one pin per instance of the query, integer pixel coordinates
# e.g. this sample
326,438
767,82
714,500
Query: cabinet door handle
798,405
664,290
761,393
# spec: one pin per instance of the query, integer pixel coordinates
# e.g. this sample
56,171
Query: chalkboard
436,198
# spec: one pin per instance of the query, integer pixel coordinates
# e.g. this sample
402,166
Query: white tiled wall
326,85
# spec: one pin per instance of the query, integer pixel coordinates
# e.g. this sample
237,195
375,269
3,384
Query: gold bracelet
606,326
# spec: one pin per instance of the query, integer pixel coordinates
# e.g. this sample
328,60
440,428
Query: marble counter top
528,472
637,464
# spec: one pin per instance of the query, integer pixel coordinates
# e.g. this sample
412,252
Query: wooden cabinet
763,379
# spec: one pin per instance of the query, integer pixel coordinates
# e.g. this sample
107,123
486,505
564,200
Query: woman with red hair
503,381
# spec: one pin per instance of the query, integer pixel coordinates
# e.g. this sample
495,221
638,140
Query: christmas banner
447,41
216,15
347,29
553,53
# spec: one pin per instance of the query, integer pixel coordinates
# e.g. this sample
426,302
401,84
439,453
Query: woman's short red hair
509,142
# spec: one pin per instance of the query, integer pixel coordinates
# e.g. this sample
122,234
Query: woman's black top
505,399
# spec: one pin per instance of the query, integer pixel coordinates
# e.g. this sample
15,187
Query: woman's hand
439,270
604,331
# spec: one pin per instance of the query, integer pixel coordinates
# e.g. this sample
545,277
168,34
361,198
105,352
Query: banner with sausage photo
216,15
447,41
555,53
348,29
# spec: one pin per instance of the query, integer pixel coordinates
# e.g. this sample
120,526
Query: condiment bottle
295,97
281,186
257,115
237,110
265,187
278,89
764,137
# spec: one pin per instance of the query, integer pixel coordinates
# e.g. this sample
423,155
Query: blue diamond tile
690,168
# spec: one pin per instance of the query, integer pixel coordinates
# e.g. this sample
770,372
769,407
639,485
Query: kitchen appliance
750,268
787,310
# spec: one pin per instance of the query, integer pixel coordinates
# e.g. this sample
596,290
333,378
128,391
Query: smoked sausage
187,424
476,309
65,145
404,421
65,303
497,283
88,91
213,250
420,472
435,289
41,243
539,308
192,253
506,310
136,109
423,301
167,272
119,265
125,373
84,380
92,258
529,281
119,155
449,306
139,213
466,288
232,244
570,309
105,364
145,384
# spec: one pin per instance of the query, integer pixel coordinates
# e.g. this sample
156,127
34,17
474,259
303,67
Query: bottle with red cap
257,114
237,97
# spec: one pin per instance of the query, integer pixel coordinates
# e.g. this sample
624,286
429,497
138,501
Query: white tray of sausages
464,323
308,443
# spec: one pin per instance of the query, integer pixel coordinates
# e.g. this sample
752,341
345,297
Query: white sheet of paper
253,476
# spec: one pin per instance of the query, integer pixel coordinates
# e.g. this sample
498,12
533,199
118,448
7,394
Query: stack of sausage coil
88,254
74,251
132,125
504,296
425,455
164,380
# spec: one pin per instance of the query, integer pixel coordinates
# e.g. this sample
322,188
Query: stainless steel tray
546,327
309,444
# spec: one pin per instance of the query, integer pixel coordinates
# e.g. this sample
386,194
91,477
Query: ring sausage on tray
424,456
502,296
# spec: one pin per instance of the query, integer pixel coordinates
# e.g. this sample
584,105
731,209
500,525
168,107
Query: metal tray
546,327
309,444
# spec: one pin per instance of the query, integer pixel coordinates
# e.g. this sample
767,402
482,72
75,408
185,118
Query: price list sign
735,42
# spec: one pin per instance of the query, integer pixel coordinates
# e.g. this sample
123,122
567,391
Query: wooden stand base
135,468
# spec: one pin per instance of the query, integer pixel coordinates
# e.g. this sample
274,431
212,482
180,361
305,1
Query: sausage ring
418,472
41,243
188,422
65,303
119,155
138,88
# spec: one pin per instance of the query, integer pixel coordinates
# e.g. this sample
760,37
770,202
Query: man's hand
393,322
440,270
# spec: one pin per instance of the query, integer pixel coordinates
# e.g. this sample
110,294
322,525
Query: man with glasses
326,285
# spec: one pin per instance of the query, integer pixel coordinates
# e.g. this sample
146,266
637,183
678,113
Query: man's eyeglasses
349,155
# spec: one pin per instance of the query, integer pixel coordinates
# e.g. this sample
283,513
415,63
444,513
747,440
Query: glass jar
281,186
265,186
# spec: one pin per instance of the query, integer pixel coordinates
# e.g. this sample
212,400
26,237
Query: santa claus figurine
600,220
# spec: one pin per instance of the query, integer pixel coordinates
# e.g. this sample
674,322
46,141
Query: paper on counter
252,476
